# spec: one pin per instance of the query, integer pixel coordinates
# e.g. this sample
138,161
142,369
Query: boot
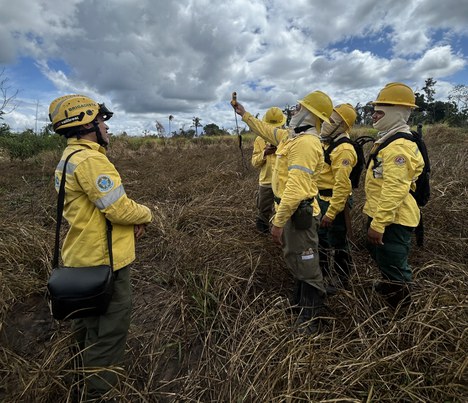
311,304
395,293
262,226
342,267
295,298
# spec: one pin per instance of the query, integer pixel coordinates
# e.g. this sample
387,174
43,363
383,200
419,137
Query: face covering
302,118
331,130
395,116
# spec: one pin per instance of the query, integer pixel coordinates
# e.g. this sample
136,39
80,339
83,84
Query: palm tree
196,124
170,120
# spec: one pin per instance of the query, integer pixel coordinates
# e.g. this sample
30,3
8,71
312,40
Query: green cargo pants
335,236
265,204
300,250
101,339
392,256
333,241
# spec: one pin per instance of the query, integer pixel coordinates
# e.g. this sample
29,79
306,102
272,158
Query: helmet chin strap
99,137
95,129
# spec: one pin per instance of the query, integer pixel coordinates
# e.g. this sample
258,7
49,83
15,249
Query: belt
307,201
326,192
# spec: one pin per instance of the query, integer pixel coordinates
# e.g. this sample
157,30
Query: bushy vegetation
211,319
20,146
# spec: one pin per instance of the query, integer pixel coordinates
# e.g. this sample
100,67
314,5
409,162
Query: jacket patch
346,162
400,160
104,183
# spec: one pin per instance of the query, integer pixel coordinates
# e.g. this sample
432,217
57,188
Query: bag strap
381,146
333,145
60,203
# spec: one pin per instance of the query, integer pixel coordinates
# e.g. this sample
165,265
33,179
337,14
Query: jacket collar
86,143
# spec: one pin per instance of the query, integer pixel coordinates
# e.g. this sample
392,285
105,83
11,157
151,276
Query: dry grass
211,320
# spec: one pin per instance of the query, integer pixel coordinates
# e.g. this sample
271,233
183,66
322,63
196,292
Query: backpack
358,144
423,189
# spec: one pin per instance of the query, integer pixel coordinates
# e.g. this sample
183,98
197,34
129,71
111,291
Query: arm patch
104,183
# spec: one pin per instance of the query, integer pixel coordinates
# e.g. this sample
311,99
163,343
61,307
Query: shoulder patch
399,160
104,183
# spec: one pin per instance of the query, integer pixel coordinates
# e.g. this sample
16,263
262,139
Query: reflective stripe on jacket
387,185
336,177
264,163
94,191
299,159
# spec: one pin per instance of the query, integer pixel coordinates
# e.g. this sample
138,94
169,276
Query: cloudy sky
148,59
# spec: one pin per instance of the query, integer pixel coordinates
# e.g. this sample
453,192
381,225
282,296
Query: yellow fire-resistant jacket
94,191
265,163
387,186
298,162
336,176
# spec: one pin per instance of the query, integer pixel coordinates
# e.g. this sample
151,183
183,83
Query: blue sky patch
378,44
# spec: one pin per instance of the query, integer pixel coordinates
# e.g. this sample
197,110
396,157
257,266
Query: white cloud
439,62
149,59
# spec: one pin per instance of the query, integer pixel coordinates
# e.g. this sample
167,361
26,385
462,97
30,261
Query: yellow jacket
387,186
336,176
265,163
94,191
299,159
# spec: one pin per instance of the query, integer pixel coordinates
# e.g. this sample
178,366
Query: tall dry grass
211,319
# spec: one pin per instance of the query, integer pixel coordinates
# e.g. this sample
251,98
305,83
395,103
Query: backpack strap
332,146
381,146
301,129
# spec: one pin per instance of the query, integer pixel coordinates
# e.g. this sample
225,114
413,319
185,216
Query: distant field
211,320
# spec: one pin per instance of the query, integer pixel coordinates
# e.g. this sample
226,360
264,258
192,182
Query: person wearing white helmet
299,159
263,158
93,193
391,209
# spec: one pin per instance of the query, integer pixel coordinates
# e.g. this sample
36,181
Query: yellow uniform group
304,184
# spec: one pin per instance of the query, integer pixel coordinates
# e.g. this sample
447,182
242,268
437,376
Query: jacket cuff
377,227
330,216
278,223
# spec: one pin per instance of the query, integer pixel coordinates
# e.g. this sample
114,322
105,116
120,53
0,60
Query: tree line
453,112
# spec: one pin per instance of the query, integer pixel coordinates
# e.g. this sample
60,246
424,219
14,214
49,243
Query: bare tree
160,129
459,95
7,100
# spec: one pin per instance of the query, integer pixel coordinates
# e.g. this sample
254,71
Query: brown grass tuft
211,319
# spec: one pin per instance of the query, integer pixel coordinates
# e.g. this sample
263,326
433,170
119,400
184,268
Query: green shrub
27,144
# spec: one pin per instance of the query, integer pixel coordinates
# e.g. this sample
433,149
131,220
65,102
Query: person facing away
392,211
335,191
263,158
299,159
94,192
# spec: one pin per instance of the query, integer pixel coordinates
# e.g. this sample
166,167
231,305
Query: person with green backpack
393,168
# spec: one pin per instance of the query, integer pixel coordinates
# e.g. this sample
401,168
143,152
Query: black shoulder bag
79,292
